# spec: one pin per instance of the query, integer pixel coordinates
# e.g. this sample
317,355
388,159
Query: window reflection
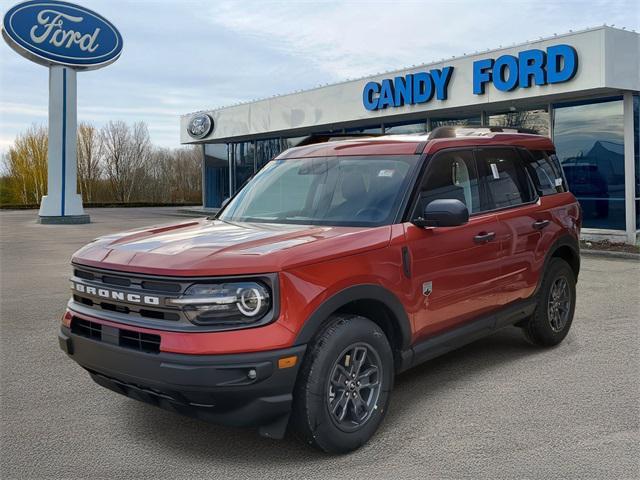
590,145
535,120
266,150
243,162
456,122
406,128
374,129
216,174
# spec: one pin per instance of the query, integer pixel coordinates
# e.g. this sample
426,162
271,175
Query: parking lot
498,408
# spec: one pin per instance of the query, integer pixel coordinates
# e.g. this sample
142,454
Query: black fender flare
563,241
358,292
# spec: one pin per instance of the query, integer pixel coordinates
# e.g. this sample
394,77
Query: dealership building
580,88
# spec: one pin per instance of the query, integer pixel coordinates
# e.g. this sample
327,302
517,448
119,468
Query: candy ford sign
60,33
556,64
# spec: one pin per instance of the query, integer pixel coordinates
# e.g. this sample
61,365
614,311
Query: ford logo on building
60,33
200,126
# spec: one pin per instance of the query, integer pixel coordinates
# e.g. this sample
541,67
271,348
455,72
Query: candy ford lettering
556,64
414,88
559,63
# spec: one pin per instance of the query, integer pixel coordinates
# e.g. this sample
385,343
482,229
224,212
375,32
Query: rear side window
505,178
544,171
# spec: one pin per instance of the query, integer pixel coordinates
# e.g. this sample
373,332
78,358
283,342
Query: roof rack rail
450,131
330,137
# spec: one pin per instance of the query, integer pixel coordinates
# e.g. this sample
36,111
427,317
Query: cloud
11,108
190,55
355,38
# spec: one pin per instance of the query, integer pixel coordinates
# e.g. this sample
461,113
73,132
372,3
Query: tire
322,385
544,328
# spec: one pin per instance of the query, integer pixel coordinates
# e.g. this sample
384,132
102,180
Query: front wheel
344,386
553,316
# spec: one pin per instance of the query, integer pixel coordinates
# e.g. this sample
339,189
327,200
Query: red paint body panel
316,262
465,275
212,248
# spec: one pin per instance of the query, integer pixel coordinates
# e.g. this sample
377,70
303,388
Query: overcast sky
187,55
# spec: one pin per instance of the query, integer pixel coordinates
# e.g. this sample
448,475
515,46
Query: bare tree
116,163
536,120
89,153
126,153
190,164
26,164
173,175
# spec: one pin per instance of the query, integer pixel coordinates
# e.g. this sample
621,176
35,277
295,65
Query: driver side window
450,175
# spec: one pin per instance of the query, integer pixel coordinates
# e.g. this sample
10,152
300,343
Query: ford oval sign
60,33
200,126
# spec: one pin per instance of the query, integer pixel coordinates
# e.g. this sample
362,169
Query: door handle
484,237
540,224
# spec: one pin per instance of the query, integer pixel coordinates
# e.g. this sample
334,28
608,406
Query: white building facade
581,89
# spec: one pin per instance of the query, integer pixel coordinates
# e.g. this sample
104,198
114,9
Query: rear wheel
343,390
553,316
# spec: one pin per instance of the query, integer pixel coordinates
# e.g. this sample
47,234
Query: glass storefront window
216,174
406,128
456,122
266,150
243,163
291,142
536,120
375,129
589,139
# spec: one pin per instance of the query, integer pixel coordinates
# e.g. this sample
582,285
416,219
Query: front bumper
217,388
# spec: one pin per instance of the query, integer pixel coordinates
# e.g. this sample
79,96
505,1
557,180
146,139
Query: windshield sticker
494,170
386,173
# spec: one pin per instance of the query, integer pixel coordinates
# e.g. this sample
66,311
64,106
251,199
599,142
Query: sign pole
66,38
62,204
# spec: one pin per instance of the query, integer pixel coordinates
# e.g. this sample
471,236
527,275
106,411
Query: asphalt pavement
498,408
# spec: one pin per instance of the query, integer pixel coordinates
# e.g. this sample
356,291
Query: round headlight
250,301
225,303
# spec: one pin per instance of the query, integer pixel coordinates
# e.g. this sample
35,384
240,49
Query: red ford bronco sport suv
339,265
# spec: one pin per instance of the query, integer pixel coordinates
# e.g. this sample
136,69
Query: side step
445,342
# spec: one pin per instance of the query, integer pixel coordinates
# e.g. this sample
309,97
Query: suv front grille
142,300
143,342
87,329
110,292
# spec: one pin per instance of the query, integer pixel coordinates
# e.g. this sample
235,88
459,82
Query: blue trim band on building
64,139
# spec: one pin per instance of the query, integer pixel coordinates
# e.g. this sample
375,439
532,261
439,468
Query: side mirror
443,213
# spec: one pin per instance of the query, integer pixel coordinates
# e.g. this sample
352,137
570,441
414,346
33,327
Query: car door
454,270
512,197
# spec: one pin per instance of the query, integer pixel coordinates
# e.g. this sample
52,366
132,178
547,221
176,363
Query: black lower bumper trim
238,390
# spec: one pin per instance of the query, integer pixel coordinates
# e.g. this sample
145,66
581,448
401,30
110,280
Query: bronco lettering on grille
115,295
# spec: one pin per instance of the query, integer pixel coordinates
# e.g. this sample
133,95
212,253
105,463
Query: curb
608,254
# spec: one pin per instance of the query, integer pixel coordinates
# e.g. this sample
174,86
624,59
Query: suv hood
213,247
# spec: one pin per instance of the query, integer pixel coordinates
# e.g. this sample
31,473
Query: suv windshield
344,191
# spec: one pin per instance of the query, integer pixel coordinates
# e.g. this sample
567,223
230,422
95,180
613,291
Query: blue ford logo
60,33
200,126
